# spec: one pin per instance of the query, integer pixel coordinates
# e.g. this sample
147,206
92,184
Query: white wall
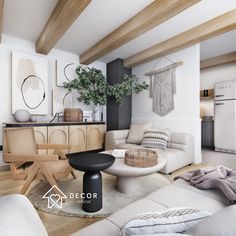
185,116
10,43
209,77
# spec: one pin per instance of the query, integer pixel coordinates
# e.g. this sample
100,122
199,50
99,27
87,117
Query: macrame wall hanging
163,87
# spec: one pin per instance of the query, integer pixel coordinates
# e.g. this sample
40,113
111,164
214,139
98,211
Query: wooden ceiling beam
151,16
217,26
219,60
1,18
62,17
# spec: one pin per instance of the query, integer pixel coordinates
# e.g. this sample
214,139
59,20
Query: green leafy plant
92,86
126,87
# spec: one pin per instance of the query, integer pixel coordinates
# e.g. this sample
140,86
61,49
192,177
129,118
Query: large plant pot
97,113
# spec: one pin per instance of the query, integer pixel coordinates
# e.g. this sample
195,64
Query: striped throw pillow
156,138
174,220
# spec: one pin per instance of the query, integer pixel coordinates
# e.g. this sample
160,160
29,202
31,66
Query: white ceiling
99,19
220,45
26,18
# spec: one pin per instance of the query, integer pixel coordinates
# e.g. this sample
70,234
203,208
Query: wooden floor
60,225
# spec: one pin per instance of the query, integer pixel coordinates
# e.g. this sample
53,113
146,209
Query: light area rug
112,199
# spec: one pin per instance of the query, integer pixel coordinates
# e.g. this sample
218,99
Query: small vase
22,115
97,113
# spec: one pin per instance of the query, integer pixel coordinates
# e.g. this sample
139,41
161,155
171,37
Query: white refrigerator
225,116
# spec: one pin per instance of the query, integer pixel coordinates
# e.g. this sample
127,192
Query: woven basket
141,158
73,115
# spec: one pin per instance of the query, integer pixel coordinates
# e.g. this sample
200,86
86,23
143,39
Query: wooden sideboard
83,136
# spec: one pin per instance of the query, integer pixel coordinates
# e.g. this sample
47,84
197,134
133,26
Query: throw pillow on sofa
173,220
156,138
221,223
136,132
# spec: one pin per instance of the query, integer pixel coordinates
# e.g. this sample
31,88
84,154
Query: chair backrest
20,141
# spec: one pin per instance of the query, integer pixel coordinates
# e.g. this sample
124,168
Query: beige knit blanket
219,177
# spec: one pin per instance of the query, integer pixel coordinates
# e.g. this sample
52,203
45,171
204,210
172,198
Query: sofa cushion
115,137
181,138
103,228
167,221
215,194
179,196
155,138
118,134
175,159
136,132
122,216
128,146
222,223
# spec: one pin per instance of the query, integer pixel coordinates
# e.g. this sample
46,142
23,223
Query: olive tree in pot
93,88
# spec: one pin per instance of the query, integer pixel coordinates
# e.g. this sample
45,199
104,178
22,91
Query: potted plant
93,88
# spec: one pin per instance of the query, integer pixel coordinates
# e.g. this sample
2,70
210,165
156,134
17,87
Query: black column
118,116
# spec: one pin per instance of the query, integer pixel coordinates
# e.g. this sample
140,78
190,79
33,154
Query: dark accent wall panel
208,134
118,116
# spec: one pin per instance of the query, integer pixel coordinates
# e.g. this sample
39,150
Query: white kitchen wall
209,77
185,116
6,47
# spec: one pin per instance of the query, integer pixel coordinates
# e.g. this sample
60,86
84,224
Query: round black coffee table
91,164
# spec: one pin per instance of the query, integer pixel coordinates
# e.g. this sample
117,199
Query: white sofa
179,152
177,194
18,217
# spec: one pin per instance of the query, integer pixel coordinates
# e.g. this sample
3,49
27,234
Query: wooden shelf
206,98
207,94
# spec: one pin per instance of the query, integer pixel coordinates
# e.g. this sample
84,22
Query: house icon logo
54,199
